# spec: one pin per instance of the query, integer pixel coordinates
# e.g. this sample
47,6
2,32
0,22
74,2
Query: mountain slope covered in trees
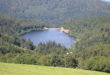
93,44
54,11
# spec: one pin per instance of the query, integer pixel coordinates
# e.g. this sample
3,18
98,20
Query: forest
54,11
91,51
93,45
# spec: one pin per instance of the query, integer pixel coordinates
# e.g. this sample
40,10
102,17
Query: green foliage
10,49
70,61
10,28
25,59
98,64
55,11
50,60
93,36
51,47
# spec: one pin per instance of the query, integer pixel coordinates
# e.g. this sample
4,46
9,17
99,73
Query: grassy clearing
20,69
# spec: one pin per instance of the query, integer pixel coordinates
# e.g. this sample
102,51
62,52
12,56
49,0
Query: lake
50,35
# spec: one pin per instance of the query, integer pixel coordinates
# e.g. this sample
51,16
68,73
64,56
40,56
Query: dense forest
93,42
54,11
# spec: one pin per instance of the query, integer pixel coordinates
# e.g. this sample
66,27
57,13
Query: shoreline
61,29
67,31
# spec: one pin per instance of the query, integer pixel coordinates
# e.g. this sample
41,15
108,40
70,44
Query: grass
20,69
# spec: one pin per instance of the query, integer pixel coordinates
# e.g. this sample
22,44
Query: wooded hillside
54,11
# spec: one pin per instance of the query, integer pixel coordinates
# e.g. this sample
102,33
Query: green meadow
20,69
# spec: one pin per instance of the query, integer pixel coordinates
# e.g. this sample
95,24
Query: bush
98,64
25,60
70,61
50,60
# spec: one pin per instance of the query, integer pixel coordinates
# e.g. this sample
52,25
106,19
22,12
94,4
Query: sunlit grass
17,69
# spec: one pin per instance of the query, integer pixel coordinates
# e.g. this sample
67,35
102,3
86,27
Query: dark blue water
50,35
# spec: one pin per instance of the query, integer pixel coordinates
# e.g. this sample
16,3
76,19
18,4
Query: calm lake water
50,35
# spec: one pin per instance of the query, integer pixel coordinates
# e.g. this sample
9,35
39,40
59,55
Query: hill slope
15,69
93,42
54,11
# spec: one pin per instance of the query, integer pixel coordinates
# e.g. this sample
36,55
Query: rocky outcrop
61,29
64,30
